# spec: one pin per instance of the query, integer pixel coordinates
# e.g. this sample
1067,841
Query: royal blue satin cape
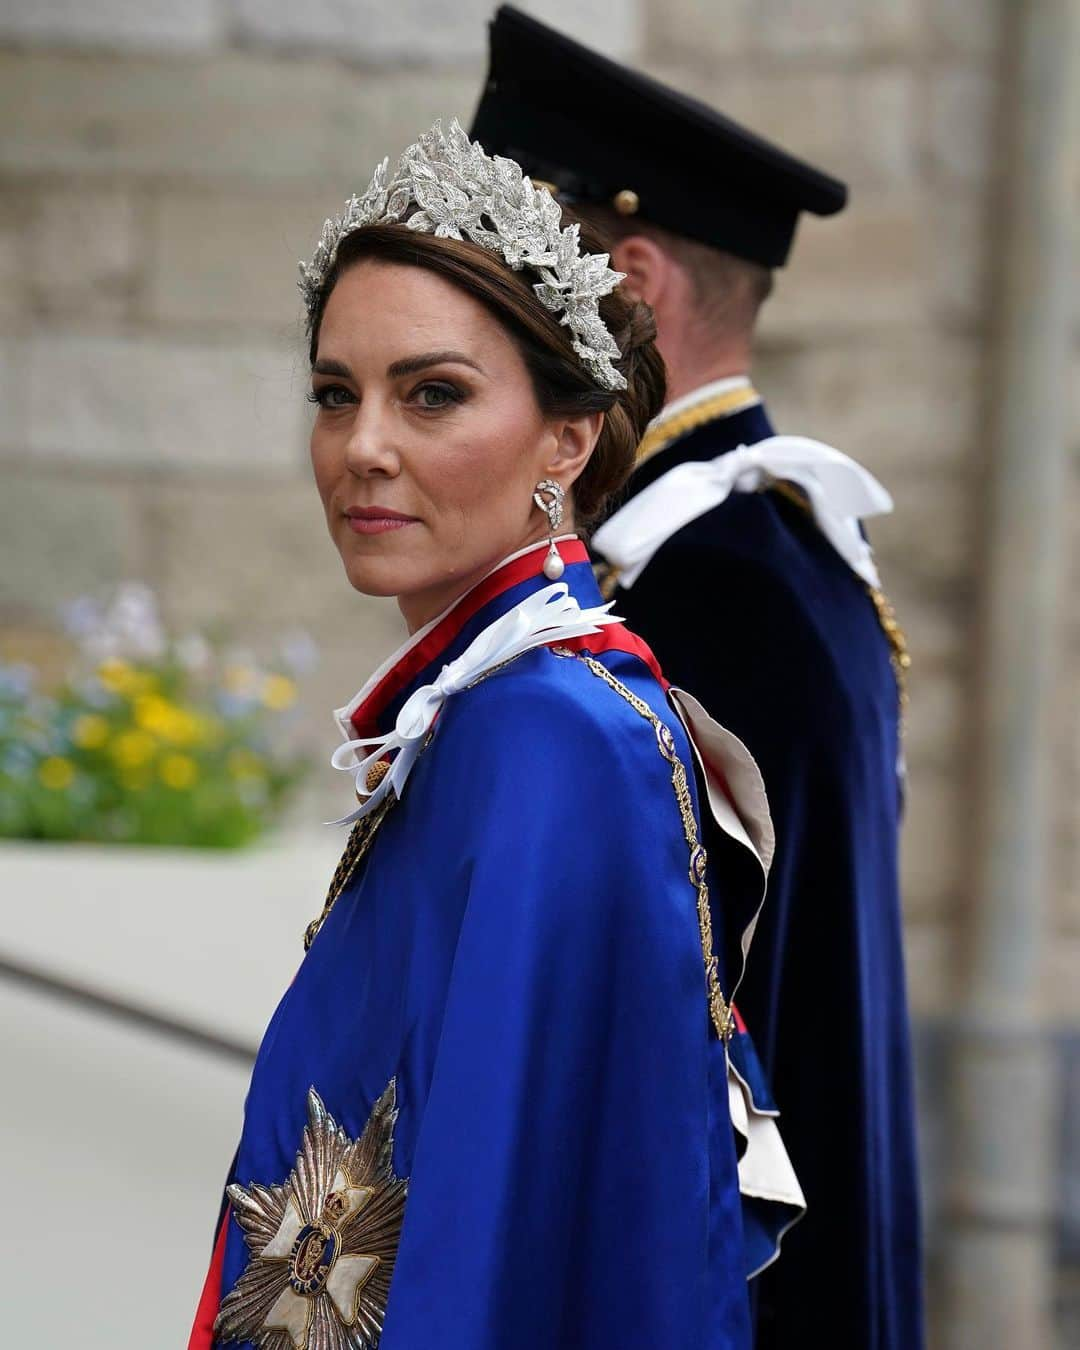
522,951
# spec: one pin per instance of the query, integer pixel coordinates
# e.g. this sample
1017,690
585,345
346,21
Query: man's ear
646,265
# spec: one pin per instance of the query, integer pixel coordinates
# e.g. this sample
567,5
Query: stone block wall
163,166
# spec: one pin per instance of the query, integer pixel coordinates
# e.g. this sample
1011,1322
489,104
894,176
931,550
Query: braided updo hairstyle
563,385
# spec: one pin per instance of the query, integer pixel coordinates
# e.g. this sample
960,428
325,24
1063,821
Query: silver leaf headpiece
462,193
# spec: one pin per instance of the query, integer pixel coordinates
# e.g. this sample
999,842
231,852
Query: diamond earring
549,497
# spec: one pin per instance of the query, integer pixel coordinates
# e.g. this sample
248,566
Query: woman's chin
373,576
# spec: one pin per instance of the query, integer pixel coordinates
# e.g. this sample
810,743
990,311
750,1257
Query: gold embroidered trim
356,849
669,429
719,1010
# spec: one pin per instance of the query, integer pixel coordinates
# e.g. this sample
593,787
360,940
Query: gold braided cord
899,655
719,1010
667,429
356,849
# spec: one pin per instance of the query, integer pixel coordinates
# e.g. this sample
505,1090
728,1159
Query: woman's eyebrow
409,365
324,366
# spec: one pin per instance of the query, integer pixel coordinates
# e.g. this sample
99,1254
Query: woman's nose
370,448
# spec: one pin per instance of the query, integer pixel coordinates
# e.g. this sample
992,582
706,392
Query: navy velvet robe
751,610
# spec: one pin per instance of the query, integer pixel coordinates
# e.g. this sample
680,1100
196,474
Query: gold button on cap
626,202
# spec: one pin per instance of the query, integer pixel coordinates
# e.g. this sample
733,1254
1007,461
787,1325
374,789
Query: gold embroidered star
323,1243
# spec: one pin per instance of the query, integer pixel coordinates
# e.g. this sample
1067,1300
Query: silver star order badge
322,1244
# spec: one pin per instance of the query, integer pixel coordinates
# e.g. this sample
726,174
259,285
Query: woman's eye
437,395
331,396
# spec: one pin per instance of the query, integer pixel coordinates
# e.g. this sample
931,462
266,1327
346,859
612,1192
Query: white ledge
209,938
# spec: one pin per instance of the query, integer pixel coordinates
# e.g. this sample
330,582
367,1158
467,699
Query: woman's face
428,441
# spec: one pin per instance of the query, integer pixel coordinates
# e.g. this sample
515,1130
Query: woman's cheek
326,468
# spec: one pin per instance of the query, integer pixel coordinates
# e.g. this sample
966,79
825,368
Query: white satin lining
765,1169
839,492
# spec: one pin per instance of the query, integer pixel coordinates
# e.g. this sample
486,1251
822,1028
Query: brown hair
563,385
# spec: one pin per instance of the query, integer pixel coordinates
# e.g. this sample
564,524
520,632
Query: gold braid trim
356,849
719,1010
659,436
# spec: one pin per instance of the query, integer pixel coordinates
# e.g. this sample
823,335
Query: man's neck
683,380
734,390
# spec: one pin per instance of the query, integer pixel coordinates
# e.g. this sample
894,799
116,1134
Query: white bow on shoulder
546,616
839,491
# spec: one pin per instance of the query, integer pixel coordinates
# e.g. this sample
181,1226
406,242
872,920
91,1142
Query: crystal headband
462,193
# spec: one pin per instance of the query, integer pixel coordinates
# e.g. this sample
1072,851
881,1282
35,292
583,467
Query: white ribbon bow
840,493
549,615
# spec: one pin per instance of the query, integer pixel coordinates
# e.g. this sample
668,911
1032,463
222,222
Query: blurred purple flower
299,652
133,617
232,706
17,681
81,617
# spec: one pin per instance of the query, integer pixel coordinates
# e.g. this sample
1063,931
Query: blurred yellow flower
56,772
169,721
151,710
132,748
245,763
278,692
121,678
90,731
178,771
115,676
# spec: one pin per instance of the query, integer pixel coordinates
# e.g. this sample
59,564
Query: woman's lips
376,519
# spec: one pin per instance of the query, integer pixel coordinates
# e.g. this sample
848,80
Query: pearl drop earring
549,496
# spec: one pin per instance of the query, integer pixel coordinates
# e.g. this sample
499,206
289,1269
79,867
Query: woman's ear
575,440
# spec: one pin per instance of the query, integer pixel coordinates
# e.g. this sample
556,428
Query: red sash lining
614,637
202,1332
